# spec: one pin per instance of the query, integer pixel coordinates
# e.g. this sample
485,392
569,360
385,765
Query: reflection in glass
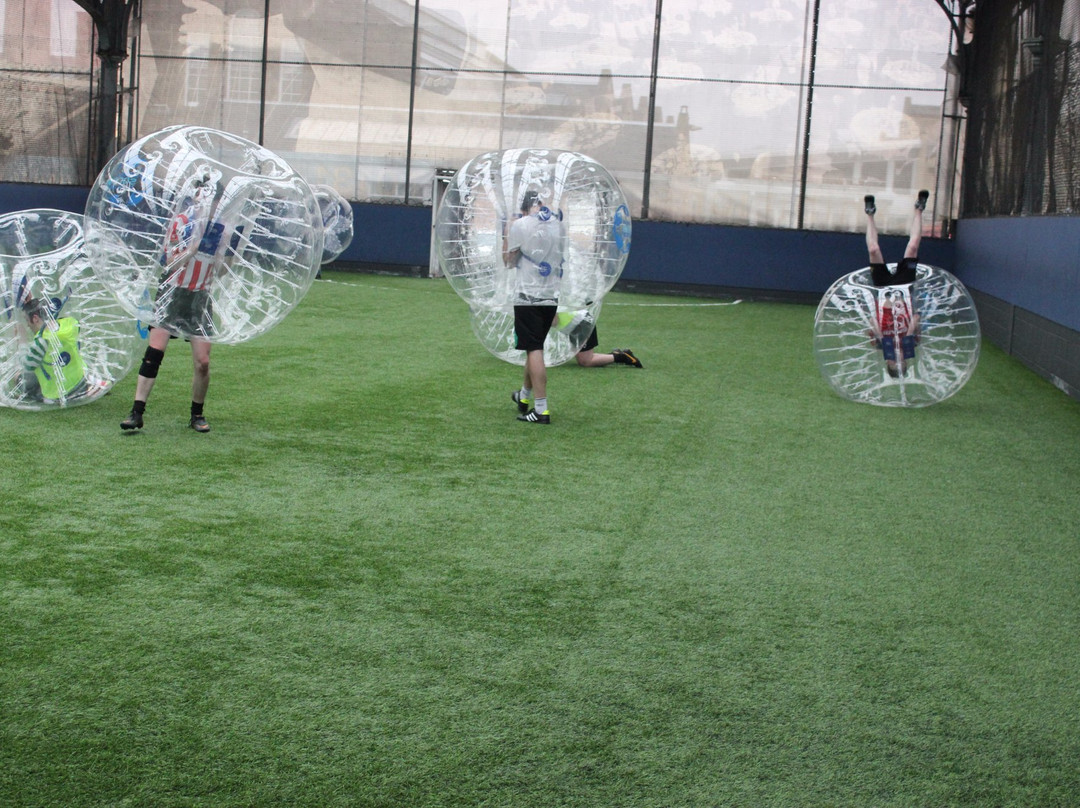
372,96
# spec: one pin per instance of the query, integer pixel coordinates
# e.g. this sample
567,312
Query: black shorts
591,342
531,326
905,273
189,311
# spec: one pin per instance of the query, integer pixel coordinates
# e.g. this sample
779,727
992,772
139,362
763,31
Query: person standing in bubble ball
535,247
896,322
197,240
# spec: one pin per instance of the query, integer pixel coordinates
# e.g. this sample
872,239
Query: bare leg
872,246
200,380
535,374
872,238
915,235
591,359
159,339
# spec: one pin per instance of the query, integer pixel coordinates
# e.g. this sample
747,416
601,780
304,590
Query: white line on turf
611,303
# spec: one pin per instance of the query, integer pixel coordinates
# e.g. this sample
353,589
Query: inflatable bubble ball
64,337
495,330
526,224
897,346
204,233
337,221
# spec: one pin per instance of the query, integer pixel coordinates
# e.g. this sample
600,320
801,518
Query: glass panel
909,38
201,66
350,32
483,24
731,94
735,76
881,142
191,91
877,115
289,84
734,41
168,27
736,153
45,64
581,37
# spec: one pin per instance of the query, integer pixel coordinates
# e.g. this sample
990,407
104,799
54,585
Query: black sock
139,407
196,409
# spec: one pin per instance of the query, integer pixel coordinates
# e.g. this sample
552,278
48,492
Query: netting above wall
1023,147
781,113
45,86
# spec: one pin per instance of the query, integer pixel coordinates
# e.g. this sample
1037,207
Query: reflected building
45,80
373,97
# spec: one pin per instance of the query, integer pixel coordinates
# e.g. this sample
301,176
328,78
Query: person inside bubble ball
54,369
199,240
906,268
896,323
589,357
535,247
575,323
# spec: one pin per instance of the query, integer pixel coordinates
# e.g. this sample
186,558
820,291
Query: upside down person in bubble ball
905,269
198,241
896,321
896,324
535,246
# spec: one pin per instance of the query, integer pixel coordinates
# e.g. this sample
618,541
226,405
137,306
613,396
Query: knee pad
151,362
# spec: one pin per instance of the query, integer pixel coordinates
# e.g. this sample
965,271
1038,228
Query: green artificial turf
711,582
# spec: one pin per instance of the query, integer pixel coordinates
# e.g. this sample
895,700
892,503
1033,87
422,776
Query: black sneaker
624,356
870,207
523,404
920,203
198,423
133,421
534,417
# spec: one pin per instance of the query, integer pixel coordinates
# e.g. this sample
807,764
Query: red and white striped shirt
192,247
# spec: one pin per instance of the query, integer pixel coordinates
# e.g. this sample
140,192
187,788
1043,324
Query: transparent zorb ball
204,233
337,221
65,339
495,330
906,345
472,224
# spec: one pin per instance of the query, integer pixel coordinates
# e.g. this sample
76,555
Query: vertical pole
412,96
262,81
110,24
91,114
133,76
651,125
809,113
505,74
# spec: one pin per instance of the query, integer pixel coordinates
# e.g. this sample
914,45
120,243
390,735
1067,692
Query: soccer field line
712,304
680,305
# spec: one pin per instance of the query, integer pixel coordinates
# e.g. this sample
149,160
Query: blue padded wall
759,258
1031,262
668,253
16,196
390,234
